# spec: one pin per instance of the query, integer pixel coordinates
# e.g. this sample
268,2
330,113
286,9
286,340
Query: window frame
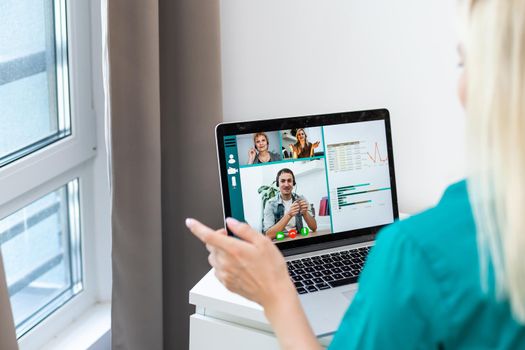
80,155
36,168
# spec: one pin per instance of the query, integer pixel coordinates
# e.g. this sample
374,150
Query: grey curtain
164,98
133,102
191,106
7,325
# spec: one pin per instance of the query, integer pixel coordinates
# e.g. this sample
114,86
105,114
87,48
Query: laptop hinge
329,245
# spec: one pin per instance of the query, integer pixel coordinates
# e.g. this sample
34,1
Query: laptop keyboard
326,271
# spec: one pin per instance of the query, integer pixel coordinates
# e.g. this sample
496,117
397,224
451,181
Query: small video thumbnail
302,143
259,148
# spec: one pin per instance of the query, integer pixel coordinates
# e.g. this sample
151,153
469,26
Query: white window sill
91,331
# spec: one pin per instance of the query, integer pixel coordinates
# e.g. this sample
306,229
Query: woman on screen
260,153
302,148
452,277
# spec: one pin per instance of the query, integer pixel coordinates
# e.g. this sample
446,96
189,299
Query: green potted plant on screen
267,192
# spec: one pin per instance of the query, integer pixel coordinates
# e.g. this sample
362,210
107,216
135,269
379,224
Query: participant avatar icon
232,159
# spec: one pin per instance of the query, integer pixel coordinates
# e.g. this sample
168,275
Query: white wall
297,57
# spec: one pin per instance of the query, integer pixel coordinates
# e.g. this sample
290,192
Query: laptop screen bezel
246,127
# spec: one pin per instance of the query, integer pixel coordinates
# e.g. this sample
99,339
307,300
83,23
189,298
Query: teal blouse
421,289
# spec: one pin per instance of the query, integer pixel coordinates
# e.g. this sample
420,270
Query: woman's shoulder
450,221
433,256
421,287
439,243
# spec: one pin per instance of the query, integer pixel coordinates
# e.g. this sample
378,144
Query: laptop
320,187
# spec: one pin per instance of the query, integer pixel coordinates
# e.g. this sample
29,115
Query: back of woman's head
495,68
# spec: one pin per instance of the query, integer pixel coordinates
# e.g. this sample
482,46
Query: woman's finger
198,229
242,230
215,239
221,241
212,260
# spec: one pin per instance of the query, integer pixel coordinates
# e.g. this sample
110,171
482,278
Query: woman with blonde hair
260,152
451,277
303,148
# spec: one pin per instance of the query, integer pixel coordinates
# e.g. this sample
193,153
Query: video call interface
307,182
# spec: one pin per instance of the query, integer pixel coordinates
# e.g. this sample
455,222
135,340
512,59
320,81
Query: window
41,250
34,97
50,172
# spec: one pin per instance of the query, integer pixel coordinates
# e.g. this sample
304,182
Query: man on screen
284,213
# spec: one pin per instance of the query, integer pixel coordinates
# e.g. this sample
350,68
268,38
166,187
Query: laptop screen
307,181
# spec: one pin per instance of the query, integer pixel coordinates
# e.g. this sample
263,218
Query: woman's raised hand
251,266
254,268
251,155
294,151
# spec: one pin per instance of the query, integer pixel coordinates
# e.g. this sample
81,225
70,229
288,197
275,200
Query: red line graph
377,155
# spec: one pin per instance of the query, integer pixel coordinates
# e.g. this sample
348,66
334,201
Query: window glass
34,103
40,246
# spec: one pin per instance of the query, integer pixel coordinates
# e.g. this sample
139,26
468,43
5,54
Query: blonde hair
495,61
298,143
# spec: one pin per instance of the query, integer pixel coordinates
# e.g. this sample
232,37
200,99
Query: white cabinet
223,320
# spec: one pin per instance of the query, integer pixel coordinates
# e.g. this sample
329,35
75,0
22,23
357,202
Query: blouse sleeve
398,304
